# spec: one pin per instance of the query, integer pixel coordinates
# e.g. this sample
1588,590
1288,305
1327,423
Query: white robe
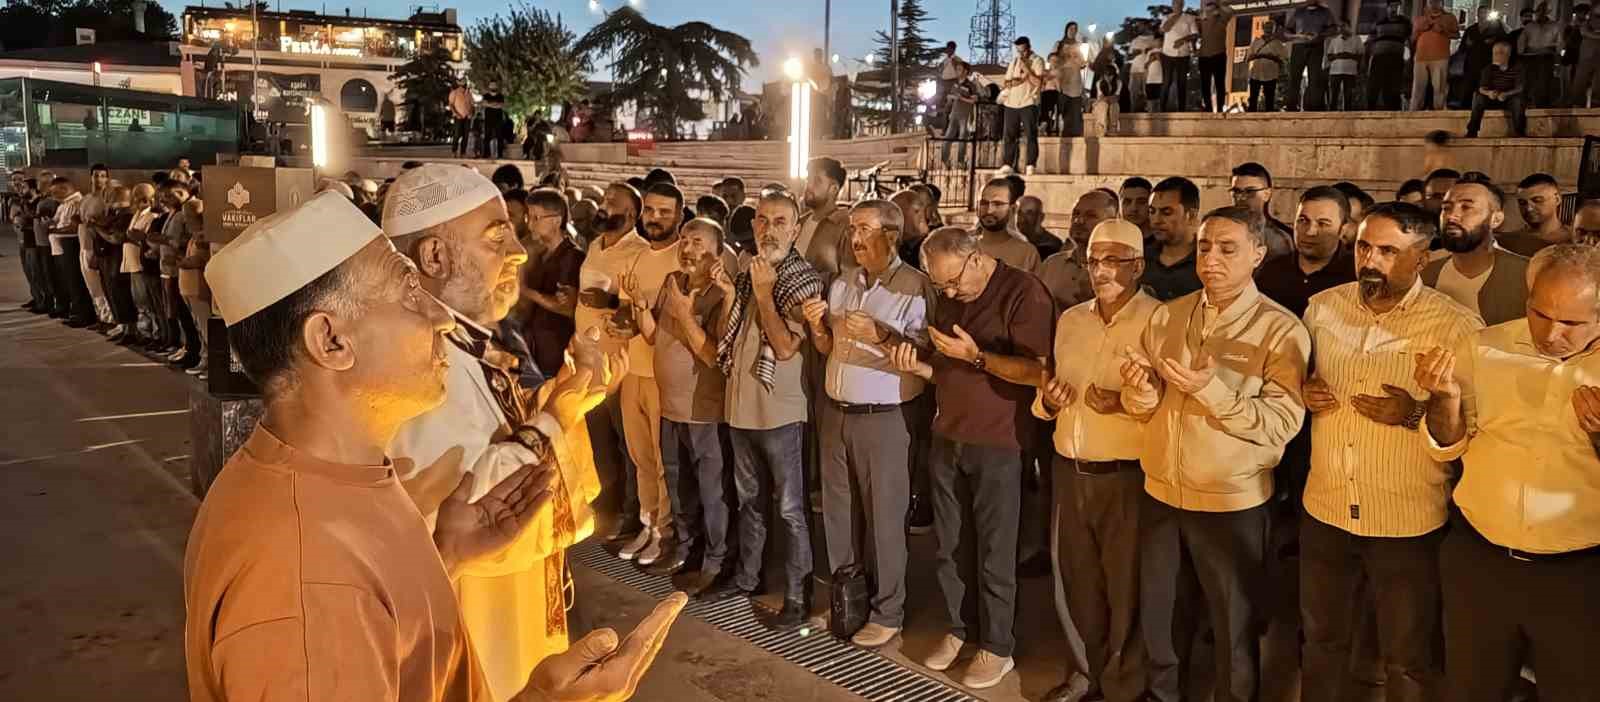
504,600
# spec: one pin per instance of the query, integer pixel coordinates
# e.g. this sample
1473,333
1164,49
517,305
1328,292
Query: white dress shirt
1086,353
1367,478
1026,93
1178,41
1531,480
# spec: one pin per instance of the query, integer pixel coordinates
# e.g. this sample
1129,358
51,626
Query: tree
918,56
529,53
666,71
32,24
427,80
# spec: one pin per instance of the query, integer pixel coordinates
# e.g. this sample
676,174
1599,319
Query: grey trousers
1501,612
1220,556
866,488
983,483
1403,574
1097,576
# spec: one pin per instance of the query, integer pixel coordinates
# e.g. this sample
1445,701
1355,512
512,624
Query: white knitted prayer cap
433,193
281,253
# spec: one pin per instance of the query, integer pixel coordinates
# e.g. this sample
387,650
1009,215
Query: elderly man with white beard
452,223
758,348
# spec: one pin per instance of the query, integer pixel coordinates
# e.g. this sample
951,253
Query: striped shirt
1528,477
1367,478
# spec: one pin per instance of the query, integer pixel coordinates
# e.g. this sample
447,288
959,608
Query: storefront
55,124
298,54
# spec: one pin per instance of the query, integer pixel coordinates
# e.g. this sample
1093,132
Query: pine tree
918,55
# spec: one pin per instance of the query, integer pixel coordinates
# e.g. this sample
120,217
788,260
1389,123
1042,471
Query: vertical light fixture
799,118
319,136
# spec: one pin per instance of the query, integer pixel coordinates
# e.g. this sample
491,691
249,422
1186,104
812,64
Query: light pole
799,118
894,66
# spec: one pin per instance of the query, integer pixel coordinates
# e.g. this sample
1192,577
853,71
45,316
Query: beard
1373,284
992,223
1458,239
772,249
610,222
654,232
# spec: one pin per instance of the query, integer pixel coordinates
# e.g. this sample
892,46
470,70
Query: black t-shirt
493,115
1282,281
742,229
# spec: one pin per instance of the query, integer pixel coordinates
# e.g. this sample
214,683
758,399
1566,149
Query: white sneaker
945,655
639,543
175,355
1029,170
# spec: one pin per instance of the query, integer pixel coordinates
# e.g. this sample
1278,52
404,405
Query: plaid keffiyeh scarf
797,281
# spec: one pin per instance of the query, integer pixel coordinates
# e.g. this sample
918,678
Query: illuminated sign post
799,118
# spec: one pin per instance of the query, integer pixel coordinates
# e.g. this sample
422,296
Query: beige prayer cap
432,194
1118,231
281,253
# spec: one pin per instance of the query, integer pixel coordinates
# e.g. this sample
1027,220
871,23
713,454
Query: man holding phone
1020,98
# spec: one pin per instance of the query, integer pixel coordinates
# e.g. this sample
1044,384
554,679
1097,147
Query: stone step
1541,123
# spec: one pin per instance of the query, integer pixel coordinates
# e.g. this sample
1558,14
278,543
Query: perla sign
290,46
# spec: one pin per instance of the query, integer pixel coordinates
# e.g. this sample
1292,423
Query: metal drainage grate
858,670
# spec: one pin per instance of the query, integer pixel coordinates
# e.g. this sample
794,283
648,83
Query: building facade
299,55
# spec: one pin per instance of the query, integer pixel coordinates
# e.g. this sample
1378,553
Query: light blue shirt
860,372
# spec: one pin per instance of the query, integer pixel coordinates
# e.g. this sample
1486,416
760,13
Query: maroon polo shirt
1013,317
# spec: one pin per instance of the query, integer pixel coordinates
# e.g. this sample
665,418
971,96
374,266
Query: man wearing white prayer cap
1097,478
452,222
309,573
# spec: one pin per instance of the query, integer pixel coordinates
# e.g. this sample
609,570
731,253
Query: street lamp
799,117
320,132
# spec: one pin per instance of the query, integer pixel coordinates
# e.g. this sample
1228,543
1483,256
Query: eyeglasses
954,282
1245,192
1110,262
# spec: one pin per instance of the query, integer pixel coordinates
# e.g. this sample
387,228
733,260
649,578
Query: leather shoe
792,616
79,323
702,582
1073,690
675,556
722,589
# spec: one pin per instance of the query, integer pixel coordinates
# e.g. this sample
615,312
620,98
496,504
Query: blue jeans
767,468
958,129
698,448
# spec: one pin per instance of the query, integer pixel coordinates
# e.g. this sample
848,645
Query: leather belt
1102,467
852,408
1524,556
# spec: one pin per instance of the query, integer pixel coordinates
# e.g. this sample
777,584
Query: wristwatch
1414,420
977,362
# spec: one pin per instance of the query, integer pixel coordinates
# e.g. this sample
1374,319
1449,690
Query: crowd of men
1315,57
1215,404
1374,426
122,259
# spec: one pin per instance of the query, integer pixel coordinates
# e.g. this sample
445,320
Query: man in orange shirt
1432,34
461,108
310,574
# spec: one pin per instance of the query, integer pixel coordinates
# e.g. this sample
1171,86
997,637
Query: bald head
914,206
1093,207
1030,216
